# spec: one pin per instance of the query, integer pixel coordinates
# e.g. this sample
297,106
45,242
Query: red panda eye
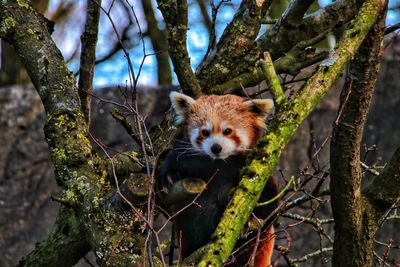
227,131
205,132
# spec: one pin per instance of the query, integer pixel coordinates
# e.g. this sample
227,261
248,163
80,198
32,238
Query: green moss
256,166
24,3
58,155
9,23
61,121
96,202
70,196
86,147
103,177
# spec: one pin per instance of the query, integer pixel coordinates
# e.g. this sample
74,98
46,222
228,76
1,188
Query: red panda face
218,139
221,126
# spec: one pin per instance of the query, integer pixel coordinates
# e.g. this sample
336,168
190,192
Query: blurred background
135,28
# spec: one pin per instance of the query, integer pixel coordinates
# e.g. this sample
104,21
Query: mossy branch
292,62
273,81
280,194
264,156
80,171
64,246
289,30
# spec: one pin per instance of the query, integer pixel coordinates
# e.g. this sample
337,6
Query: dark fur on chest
196,224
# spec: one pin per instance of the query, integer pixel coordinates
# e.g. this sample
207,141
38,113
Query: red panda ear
260,107
181,104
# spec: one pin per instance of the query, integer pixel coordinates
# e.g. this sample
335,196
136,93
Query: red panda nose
216,148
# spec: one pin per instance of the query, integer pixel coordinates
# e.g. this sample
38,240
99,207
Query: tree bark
175,14
11,70
88,57
355,218
78,169
64,246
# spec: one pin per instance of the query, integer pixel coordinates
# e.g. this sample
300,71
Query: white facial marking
208,126
244,138
194,133
227,144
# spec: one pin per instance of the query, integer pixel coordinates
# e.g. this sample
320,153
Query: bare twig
312,254
392,28
212,37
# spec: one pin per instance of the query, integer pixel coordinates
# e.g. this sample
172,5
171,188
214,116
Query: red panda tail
265,249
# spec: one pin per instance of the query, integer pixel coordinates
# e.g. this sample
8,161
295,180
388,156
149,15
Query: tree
94,217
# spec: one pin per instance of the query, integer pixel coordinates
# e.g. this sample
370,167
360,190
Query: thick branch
287,32
292,62
80,171
355,222
64,246
389,183
235,44
88,56
385,190
175,14
266,153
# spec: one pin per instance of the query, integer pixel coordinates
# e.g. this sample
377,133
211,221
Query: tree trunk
355,218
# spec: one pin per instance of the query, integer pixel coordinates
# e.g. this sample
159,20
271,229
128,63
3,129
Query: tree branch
204,13
235,44
289,31
273,81
389,182
295,12
292,62
175,14
355,223
88,56
265,155
108,230
64,246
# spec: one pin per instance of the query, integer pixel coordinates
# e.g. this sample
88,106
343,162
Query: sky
115,70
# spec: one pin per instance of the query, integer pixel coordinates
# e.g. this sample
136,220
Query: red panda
219,131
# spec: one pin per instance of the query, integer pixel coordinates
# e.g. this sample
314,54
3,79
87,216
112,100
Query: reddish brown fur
265,249
235,138
228,108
